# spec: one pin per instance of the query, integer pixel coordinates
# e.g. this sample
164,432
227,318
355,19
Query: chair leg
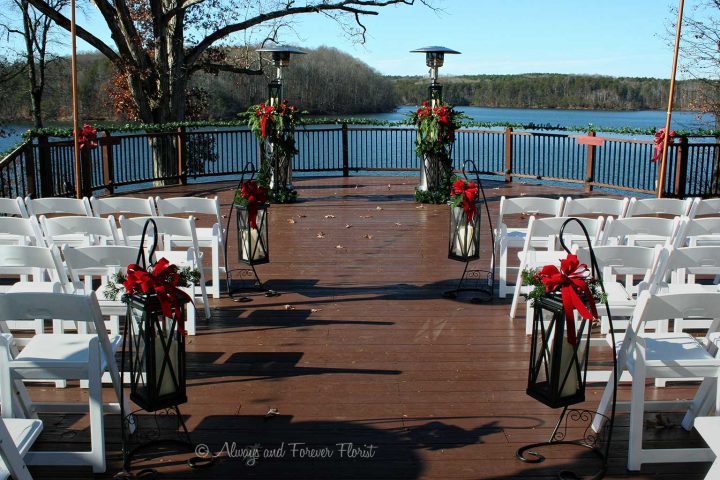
97,433
637,409
502,273
215,253
516,295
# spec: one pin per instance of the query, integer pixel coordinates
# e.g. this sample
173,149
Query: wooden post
681,167
108,162
590,165
345,151
86,172
30,169
45,164
508,154
182,155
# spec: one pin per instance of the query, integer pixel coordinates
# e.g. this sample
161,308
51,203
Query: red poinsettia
465,194
252,196
659,139
87,138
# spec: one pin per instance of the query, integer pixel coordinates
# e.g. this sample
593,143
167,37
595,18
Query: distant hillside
546,90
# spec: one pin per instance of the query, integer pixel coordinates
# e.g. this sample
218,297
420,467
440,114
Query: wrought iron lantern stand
431,169
253,247
154,346
558,372
464,246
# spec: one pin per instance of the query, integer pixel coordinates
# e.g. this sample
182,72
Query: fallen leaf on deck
315,310
348,225
388,186
291,220
320,235
398,224
273,412
329,216
339,246
301,215
419,206
369,237
365,216
378,208
289,307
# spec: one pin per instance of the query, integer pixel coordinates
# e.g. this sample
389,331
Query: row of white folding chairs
207,237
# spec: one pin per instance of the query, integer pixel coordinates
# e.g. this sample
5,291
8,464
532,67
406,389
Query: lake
555,117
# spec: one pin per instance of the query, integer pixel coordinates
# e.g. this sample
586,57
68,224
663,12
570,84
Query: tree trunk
36,89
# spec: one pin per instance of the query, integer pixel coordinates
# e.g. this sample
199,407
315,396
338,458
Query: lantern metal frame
246,273
146,383
483,281
591,440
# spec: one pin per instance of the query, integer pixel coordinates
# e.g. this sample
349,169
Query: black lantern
558,367
157,353
252,236
464,235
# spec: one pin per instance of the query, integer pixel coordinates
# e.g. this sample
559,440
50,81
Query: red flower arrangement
87,138
436,127
465,194
269,122
251,195
659,139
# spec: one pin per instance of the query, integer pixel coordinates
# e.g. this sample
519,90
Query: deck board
361,348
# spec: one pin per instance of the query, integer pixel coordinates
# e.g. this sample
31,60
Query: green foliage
438,197
114,287
537,288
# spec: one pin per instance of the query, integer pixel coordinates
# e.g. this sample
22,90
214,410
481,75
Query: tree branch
355,7
223,67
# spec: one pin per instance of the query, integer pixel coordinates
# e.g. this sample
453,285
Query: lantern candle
252,249
464,241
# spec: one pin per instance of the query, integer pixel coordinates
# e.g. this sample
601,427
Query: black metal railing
136,160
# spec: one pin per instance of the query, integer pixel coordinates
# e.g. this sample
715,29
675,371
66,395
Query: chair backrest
24,231
706,206
694,261
95,230
189,205
549,228
647,229
122,206
698,230
14,447
621,259
99,260
596,206
185,227
58,205
530,206
35,261
659,206
13,206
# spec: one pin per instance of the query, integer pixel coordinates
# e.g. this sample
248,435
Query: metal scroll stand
250,273
591,439
486,289
128,425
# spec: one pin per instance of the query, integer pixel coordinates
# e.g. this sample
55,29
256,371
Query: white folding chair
663,355
673,207
640,231
117,206
58,206
17,435
83,356
705,207
542,238
14,207
514,237
208,237
596,207
20,231
170,227
699,231
80,231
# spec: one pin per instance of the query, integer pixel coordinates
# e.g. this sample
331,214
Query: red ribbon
659,139
266,116
256,195
163,282
469,194
87,138
570,279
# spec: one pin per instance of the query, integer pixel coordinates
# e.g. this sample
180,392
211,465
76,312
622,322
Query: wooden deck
361,349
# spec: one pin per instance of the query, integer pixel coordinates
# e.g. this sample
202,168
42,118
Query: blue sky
608,37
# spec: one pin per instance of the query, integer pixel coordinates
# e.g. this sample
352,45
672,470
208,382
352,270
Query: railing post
86,171
590,165
182,155
108,163
45,164
345,151
30,169
508,154
681,167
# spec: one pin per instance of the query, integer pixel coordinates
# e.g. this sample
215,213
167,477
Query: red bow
266,117
659,139
162,281
87,138
256,195
570,279
469,194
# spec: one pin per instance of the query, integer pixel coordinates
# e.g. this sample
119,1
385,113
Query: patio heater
281,169
464,244
559,359
434,59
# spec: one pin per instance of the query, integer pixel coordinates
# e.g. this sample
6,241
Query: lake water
564,118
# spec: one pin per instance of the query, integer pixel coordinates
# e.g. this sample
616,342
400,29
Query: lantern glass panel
464,236
157,355
253,248
557,368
